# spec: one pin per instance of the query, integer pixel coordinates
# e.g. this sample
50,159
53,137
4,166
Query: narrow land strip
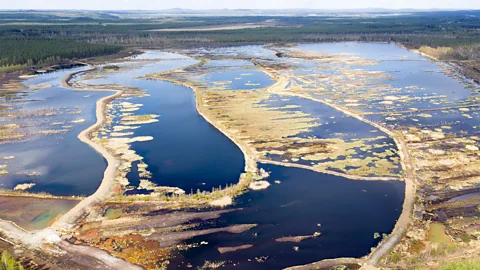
348,176
37,240
410,182
422,110
66,221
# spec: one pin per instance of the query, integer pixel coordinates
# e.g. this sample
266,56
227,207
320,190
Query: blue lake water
186,152
371,51
189,153
238,75
347,213
425,84
66,165
235,51
405,69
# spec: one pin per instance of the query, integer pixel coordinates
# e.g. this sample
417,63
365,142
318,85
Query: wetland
235,157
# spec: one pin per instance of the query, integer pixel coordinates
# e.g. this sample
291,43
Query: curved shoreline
250,163
344,175
250,160
410,187
66,221
66,79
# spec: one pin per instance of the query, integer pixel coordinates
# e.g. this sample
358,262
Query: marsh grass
198,197
9,263
438,52
10,132
435,254
469,264
211,265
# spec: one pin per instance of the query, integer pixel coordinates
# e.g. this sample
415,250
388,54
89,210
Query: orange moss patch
133,247
417,246
90,231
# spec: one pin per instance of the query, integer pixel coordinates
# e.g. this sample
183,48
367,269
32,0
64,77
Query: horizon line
246,9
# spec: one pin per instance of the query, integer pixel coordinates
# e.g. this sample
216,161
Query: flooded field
176,147
234,75
247,51
310,154
357,141
48,157
400,79
287,127
303,217
159,132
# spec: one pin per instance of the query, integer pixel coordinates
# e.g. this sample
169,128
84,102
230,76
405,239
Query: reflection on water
56,162
235,75
186,151
345,212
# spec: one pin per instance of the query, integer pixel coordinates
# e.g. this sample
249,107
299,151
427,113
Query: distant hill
111,14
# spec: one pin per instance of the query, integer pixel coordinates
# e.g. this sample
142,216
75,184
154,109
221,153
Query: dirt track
81,256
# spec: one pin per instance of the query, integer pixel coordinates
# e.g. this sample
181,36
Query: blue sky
253,4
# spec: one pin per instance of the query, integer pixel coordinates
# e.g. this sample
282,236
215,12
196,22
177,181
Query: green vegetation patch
113,213
470,264
42,51
437,234
9,263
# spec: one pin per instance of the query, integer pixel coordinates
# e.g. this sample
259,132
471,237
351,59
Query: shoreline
66,79
25,194
344,175
403,221
67,220
251,157
250,163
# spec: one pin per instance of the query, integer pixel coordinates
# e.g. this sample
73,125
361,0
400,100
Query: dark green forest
38,51
45,38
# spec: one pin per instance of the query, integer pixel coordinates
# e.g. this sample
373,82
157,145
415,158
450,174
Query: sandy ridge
66,222
101,259
344,175
250,163
410,182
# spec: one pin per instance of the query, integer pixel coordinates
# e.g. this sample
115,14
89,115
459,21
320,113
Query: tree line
41,51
